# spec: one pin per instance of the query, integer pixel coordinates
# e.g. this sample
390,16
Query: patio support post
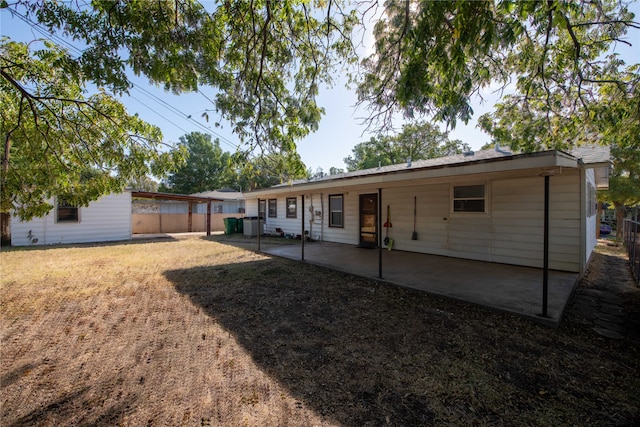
302,232
545,278
380,233
209,218
259,228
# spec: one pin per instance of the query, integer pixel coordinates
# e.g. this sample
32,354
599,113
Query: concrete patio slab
509,288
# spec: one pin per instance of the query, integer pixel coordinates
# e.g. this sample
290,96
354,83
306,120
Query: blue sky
340,129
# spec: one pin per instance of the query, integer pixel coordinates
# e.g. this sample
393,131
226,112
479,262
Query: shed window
292,204
469,198
262,209
336,213
67,212
273,208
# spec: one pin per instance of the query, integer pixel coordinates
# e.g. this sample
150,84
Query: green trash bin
240,225
230,225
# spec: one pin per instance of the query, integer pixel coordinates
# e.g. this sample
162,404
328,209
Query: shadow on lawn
364,353
333,340
65,408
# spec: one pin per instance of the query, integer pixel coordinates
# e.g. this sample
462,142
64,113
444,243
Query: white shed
106,219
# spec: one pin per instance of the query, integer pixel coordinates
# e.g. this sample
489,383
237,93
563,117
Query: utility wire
153,97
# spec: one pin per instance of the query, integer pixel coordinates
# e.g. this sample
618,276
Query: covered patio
513,289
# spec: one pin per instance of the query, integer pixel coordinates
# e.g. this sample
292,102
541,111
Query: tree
206,168
432,57
264,59
267,170
143,183
59,142
611,117
617,120
415,142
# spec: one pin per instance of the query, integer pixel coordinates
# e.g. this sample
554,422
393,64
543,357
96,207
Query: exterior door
369,220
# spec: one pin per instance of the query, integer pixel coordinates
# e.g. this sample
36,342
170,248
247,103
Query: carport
181,198
509,288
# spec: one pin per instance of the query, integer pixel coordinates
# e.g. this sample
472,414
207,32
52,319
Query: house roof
171,196
223,194
592,155
459,164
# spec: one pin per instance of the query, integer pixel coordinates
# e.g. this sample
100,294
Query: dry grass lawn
205,332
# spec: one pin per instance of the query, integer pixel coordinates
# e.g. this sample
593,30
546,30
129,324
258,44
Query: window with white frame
67,211
292,207
336,210
469,198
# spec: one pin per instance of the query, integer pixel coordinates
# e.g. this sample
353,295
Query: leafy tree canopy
143,183
59,142
265,59
206,168
269,169
432,57
415,142
616,118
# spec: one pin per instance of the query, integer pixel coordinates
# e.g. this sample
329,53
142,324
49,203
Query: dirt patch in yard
205,332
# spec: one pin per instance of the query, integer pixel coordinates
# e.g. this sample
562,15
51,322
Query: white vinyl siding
518,218
287,225
510,231
106,219
592,222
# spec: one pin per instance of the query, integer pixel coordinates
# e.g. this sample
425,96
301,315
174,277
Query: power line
184,116
152,96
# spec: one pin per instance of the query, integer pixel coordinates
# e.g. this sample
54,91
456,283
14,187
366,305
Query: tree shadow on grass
64,411
363,353
332,339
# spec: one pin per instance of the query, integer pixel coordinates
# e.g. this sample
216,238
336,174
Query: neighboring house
106,219
229,201
487,205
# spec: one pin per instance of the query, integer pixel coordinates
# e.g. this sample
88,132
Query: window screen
469,198
336,214
67,212
273,208
291,207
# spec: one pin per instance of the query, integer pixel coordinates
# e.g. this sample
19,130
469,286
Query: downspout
302,232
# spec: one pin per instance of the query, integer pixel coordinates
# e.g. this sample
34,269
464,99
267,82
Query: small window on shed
292,205
67,211
469,198
273,208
